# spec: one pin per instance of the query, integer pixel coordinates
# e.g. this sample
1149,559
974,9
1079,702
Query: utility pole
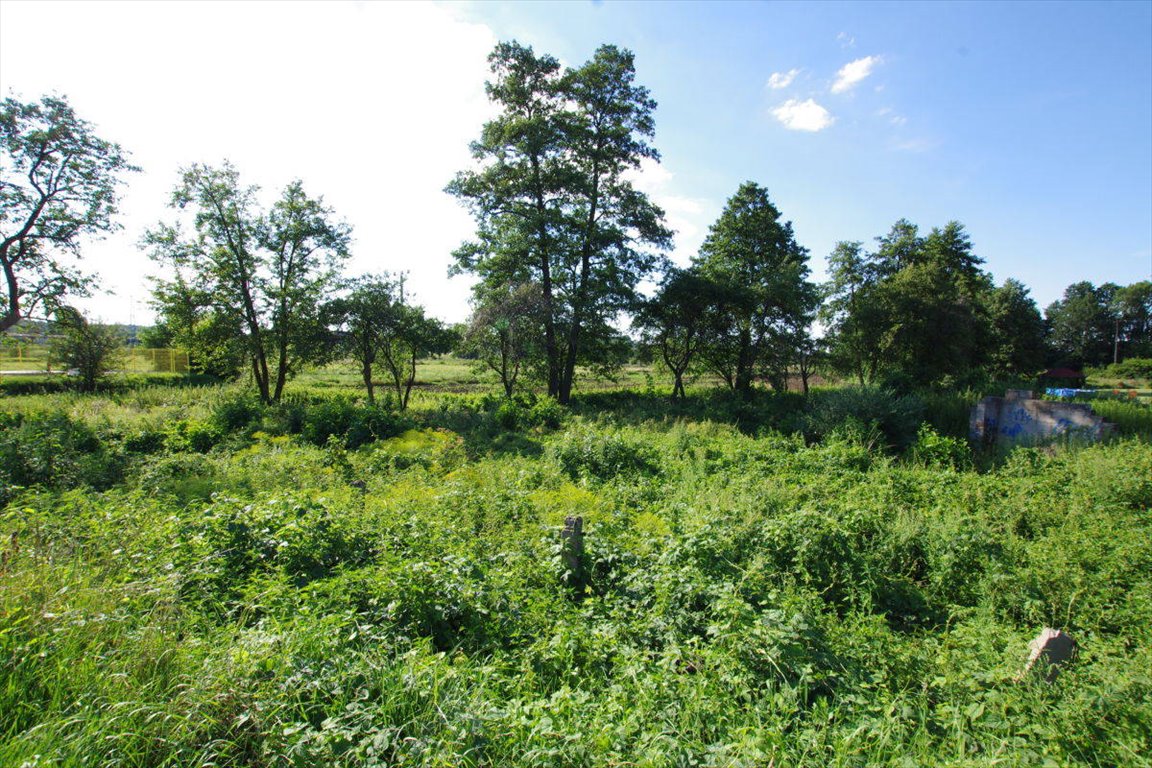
1116,343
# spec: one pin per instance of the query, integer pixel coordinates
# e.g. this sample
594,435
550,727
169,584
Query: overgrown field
191,579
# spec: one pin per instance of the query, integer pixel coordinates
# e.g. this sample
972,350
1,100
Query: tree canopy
762,301
265,275
59,184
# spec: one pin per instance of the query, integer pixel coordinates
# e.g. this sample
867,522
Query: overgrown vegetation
191,576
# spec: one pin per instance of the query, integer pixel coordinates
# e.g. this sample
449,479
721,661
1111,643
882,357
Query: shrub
528,412
355,424
895,417
192,435
586,453
54,451
236,411
936,450
1132,368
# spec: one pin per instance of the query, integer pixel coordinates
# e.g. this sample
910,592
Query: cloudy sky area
1030,123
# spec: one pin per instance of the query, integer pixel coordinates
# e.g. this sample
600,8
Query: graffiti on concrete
1019,419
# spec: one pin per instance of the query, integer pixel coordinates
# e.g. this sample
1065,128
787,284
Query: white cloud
892,117
853,73
796,115
684,215
780,80
846,40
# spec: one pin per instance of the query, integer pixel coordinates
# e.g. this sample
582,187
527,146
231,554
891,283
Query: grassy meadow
189,578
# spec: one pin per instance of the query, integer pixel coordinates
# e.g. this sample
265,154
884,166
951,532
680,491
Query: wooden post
572,550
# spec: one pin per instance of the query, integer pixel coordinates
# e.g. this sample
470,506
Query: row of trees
563,242
265,289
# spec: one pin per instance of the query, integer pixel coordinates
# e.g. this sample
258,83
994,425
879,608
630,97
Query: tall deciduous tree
552,198
914,311
1081,325
1018,331
266,273
59,183
851,313
1132,309
764,303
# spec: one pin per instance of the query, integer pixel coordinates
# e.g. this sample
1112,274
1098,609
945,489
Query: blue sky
1029,122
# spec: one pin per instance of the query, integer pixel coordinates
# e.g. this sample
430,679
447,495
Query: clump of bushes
592,454
53,451
528,412
876,417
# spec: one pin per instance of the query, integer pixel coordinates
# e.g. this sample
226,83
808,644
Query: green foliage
236,411
1132,368
553,200
53,451
588,454
354,424
933,449
59,183
92,350
916,311
249,282
1131,418
761,302
748,598
882,419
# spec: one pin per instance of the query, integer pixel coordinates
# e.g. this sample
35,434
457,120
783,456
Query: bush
1132,368
235,412
528,412
192,435
936,450
868,412
586,453
53,451
355,424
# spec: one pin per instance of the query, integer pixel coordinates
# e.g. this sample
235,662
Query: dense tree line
563,242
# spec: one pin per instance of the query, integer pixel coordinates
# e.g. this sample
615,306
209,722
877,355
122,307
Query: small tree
673,322
361,320
90,349
265,274
409,337
506,331
380,331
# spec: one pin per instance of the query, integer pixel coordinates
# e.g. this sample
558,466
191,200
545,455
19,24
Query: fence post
572,550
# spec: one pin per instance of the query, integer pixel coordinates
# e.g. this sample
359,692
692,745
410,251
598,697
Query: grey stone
1051,649
572,548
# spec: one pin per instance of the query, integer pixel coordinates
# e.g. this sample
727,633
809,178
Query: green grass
322,583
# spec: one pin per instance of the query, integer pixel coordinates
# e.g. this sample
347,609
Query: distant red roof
1063,373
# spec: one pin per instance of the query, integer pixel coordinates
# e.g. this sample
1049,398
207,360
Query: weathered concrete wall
1018,419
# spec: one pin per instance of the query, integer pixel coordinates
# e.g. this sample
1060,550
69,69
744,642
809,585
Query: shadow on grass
61,383
751,415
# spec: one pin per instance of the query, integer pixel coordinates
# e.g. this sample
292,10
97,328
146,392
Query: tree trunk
411,380
366,374
551,352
